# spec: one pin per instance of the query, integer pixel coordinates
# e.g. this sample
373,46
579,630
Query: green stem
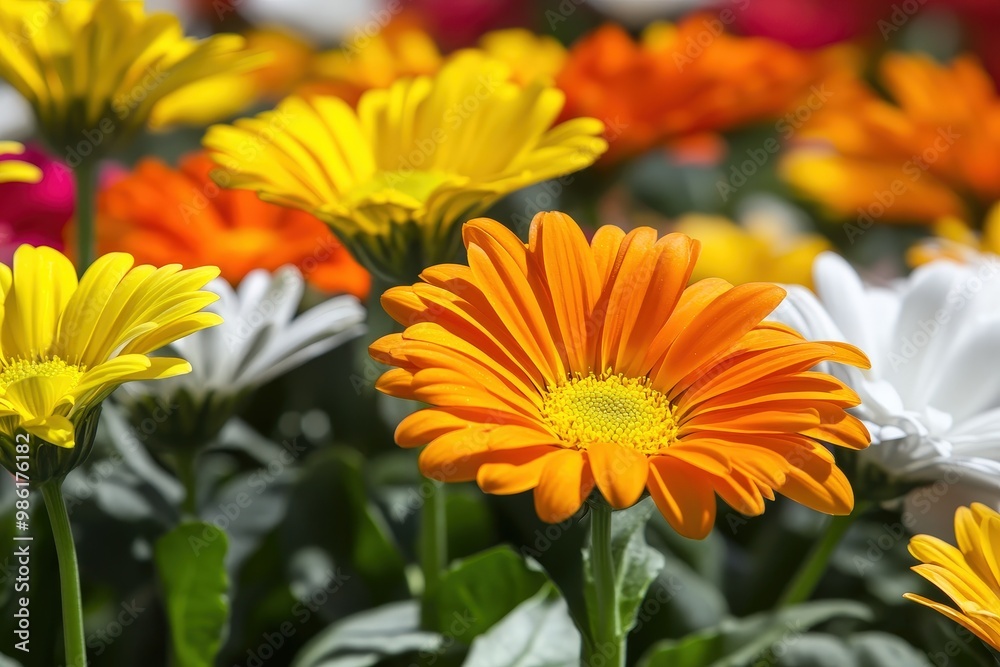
606,642
811,571
69,574
186,468
434,538
86,190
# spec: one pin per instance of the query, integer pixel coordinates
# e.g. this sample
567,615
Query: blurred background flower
163,216
930,400
930,151
705,81
35,213
260,338
395,178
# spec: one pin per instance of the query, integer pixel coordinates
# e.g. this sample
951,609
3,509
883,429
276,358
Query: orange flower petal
620,472
684,496
565,483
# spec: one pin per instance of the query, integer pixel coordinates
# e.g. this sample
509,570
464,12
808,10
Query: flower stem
186,473
86,189
606,642
69,574
811,571
434,538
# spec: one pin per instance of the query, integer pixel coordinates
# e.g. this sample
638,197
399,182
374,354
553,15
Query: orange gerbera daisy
166,216
683,80
967,574
926,154
558,365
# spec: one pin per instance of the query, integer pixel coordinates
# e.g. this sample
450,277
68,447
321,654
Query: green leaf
538,633
865,649
367,638
879,649
356,533
636,566
706,557
190,560
736,642
813,650
476,592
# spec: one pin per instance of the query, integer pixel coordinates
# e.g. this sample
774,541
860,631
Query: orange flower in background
922,155
560,365
966,574
163,216
684,80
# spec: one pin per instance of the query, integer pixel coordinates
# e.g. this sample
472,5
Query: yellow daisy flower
967,574
16,170
96,71
65,344
394,177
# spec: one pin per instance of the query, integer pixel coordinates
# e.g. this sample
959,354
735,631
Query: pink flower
36,213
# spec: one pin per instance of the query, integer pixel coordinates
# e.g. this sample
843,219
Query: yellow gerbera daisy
967,574
96,70
66,345
558,365
16,170
395,177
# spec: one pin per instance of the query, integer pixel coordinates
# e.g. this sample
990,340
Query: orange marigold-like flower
926,153
967,573
559,364
683,80
165,216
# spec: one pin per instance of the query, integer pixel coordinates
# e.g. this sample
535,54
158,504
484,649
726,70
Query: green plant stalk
801,587
606,641
434,538
186,468
69,574
86,190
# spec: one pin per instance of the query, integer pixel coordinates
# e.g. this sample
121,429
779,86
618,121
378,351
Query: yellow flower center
610,408
20,369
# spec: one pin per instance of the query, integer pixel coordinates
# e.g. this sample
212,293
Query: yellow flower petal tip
966,572
562,365
16,171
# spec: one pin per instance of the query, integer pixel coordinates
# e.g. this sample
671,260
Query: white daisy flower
259,340
932,397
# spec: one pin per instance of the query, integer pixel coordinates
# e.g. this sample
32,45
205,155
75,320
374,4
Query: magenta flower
36,213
